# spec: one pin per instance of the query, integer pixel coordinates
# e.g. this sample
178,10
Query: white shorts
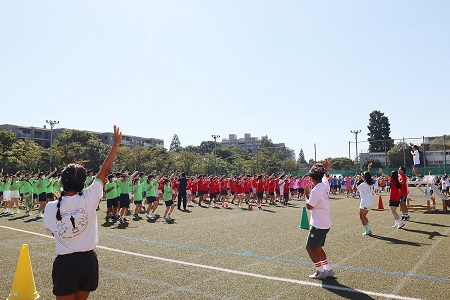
188,192
7,195
365,204
15,194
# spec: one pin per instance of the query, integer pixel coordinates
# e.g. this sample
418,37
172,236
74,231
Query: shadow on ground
332,285
397,241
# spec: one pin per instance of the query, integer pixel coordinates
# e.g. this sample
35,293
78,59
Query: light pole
52,124
214,136
356,132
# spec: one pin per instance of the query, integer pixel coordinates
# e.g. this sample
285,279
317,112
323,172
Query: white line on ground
301,282
422,260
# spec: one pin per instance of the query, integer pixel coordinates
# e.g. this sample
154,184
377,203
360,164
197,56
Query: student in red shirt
271,182
233,187
224,191
403,193
260,189
394,196
239,191
286,191
248,189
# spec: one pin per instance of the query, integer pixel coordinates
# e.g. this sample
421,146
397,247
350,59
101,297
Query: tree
208,146
301,158
379,132
399,154
69,136
342,163
6,141
438,143
28,156
175,145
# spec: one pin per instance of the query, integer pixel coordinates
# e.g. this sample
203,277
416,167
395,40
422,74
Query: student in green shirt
138,188
150,191
90,178
167,197
111,197
124,183
27,191
42,186
15,195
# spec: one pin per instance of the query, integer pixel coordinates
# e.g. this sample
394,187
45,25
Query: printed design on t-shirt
72,223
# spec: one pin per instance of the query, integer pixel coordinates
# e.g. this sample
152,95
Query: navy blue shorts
112,202
169,203
125,200
151,199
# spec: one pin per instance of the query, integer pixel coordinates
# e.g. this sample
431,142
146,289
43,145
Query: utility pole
356,132
214,136
52,124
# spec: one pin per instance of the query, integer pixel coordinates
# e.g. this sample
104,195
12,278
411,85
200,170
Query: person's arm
110,189
53,172
112,154
387,177
133,175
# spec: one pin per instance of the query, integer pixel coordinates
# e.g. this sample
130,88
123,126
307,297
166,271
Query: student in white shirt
72,220
319,204
416,158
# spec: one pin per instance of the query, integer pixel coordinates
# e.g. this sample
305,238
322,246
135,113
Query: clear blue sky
301,72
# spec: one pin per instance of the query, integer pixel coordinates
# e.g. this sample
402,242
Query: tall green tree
175,145
301,158
379,132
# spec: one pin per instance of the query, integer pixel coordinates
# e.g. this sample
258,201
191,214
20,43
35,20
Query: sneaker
136,215
39,215
329,273
27,214
400,225
317,275
407,217
168,218
165,217
369,233
209,205
395,225
121,220
125,219
147,216
152,215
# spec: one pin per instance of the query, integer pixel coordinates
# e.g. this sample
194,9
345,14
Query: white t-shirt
78,229
365,192
281,184
416,157
320,214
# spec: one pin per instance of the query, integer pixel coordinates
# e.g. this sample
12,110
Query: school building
42,135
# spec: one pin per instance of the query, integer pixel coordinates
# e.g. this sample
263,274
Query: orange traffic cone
23,287
380,203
